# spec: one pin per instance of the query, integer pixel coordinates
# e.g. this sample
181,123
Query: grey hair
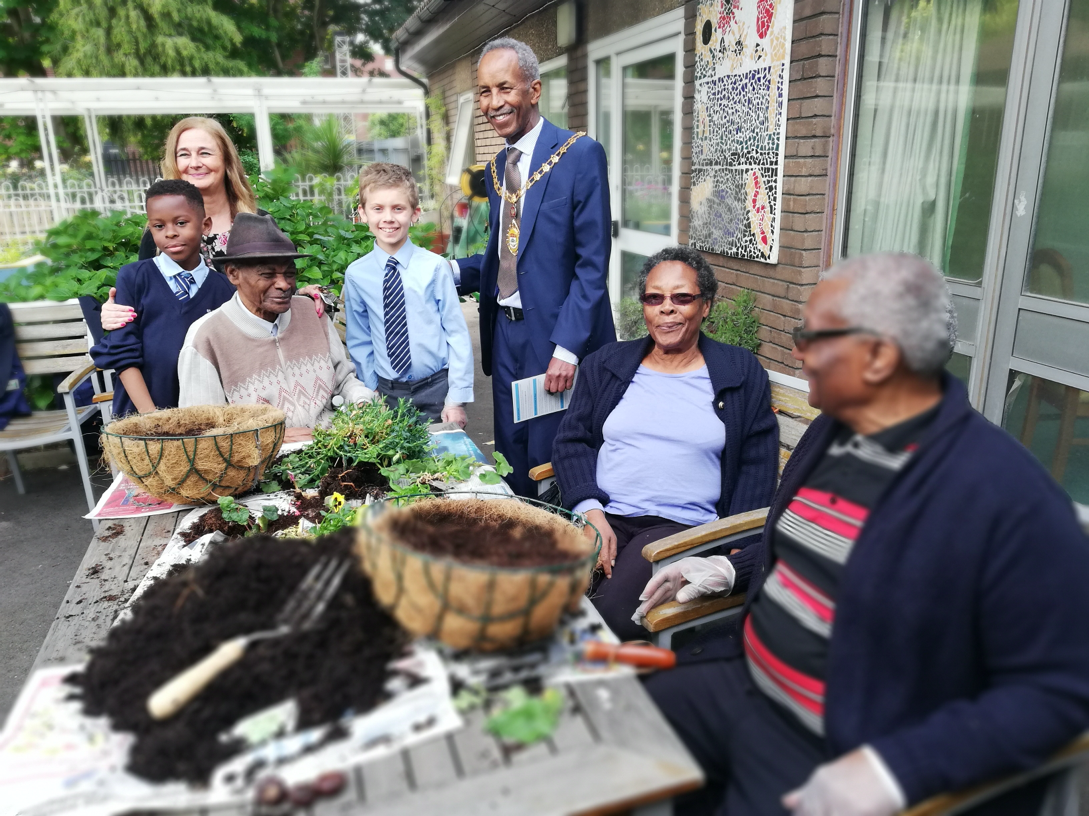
902,297
694,260
527,60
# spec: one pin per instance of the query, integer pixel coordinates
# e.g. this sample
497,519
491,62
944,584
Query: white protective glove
856,784
686,580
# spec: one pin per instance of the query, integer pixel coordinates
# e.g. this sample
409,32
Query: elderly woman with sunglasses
665,433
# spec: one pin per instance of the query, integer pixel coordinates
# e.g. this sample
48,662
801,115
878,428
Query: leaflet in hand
531,400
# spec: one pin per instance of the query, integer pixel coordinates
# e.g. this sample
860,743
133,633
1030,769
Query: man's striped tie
187,283
393,304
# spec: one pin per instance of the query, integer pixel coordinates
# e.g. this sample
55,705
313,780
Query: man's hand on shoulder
560,376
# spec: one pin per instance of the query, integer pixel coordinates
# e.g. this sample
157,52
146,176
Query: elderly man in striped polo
919,624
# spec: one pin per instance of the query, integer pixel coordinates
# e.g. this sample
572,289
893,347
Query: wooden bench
51,338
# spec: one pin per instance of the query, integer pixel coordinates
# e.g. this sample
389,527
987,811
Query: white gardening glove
856,784
686,580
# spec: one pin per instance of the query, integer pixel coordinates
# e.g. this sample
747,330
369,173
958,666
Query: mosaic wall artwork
739,126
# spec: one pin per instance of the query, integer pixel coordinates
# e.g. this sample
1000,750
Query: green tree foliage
390,125
134,38
27,36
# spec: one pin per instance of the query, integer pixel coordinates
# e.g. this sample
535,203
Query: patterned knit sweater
229,358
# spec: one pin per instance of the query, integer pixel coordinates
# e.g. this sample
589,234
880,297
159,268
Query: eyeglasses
677,298
802,336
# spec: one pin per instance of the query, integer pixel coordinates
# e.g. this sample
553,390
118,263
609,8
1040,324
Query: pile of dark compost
213,521
460,530
354,483
340,666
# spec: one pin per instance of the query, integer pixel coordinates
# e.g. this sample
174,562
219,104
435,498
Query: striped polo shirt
788,628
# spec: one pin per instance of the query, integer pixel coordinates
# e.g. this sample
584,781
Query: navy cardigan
742,400
960,650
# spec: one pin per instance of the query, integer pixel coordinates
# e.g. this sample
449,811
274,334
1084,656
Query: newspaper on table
54,760
532,400
124,500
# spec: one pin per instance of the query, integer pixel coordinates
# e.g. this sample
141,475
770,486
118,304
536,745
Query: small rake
301,612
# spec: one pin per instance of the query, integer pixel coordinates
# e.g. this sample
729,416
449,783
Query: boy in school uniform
169,292
406,333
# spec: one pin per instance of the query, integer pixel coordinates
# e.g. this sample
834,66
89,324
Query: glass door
931,86
636,114
1038,387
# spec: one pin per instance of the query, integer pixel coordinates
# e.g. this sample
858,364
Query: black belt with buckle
512,312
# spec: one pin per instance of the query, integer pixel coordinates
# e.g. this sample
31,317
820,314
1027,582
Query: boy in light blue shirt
406,333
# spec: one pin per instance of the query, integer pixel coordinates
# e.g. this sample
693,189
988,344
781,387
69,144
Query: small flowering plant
338,515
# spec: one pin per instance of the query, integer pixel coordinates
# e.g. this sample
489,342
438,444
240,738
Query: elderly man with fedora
265,345
918,624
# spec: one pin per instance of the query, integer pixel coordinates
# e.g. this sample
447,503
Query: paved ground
43,539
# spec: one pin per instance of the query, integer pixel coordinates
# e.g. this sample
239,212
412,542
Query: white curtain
917,79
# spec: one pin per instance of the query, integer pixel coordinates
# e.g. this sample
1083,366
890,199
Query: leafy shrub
734,323
85,252
629,320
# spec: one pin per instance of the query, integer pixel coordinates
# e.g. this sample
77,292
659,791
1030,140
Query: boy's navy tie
393,304
187,283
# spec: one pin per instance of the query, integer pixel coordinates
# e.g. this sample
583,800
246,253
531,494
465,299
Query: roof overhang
178,95
441,31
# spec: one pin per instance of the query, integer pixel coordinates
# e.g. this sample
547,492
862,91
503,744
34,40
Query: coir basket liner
195,455
462,602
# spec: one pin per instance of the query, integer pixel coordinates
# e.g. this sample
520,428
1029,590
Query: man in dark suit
542,280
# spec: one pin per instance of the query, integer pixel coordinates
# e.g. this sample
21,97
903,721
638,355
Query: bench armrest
705,536
673,613
541,472
73,380
1073,754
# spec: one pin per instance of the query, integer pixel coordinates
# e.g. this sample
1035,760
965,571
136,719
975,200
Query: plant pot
469,604
196,455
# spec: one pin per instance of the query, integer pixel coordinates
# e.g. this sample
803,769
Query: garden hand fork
301,612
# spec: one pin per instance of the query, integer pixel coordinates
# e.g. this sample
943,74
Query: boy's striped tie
393,304
187,283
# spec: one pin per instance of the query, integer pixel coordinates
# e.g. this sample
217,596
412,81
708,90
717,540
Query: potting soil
213,521
477,532
239,588
355,483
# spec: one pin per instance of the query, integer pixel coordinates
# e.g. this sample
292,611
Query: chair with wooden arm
1063,796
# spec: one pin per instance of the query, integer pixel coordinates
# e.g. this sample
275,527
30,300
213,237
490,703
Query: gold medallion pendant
512,238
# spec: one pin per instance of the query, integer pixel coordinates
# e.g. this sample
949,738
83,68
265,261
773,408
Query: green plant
525,719
338,515
371,432
436,151
251,163
325,150
237,513
630,324
390,125
85,252
735,323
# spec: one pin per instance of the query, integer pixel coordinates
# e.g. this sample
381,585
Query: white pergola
91,98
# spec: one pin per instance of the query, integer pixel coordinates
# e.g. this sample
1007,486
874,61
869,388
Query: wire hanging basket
195,455
467,604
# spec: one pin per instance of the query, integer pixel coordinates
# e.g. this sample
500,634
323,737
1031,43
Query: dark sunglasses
802,336
677,298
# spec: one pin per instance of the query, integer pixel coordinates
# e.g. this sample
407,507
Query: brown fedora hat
255,238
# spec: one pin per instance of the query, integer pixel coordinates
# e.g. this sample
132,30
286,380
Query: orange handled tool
632,654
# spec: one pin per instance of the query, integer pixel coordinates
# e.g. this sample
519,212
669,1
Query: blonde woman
198,150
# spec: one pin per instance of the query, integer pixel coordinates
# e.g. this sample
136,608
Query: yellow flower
336,502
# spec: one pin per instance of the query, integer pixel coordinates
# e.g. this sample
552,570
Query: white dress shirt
170,268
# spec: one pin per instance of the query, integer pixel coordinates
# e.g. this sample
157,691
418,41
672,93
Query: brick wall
782,289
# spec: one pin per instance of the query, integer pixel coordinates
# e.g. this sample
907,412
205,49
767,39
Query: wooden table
612,751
